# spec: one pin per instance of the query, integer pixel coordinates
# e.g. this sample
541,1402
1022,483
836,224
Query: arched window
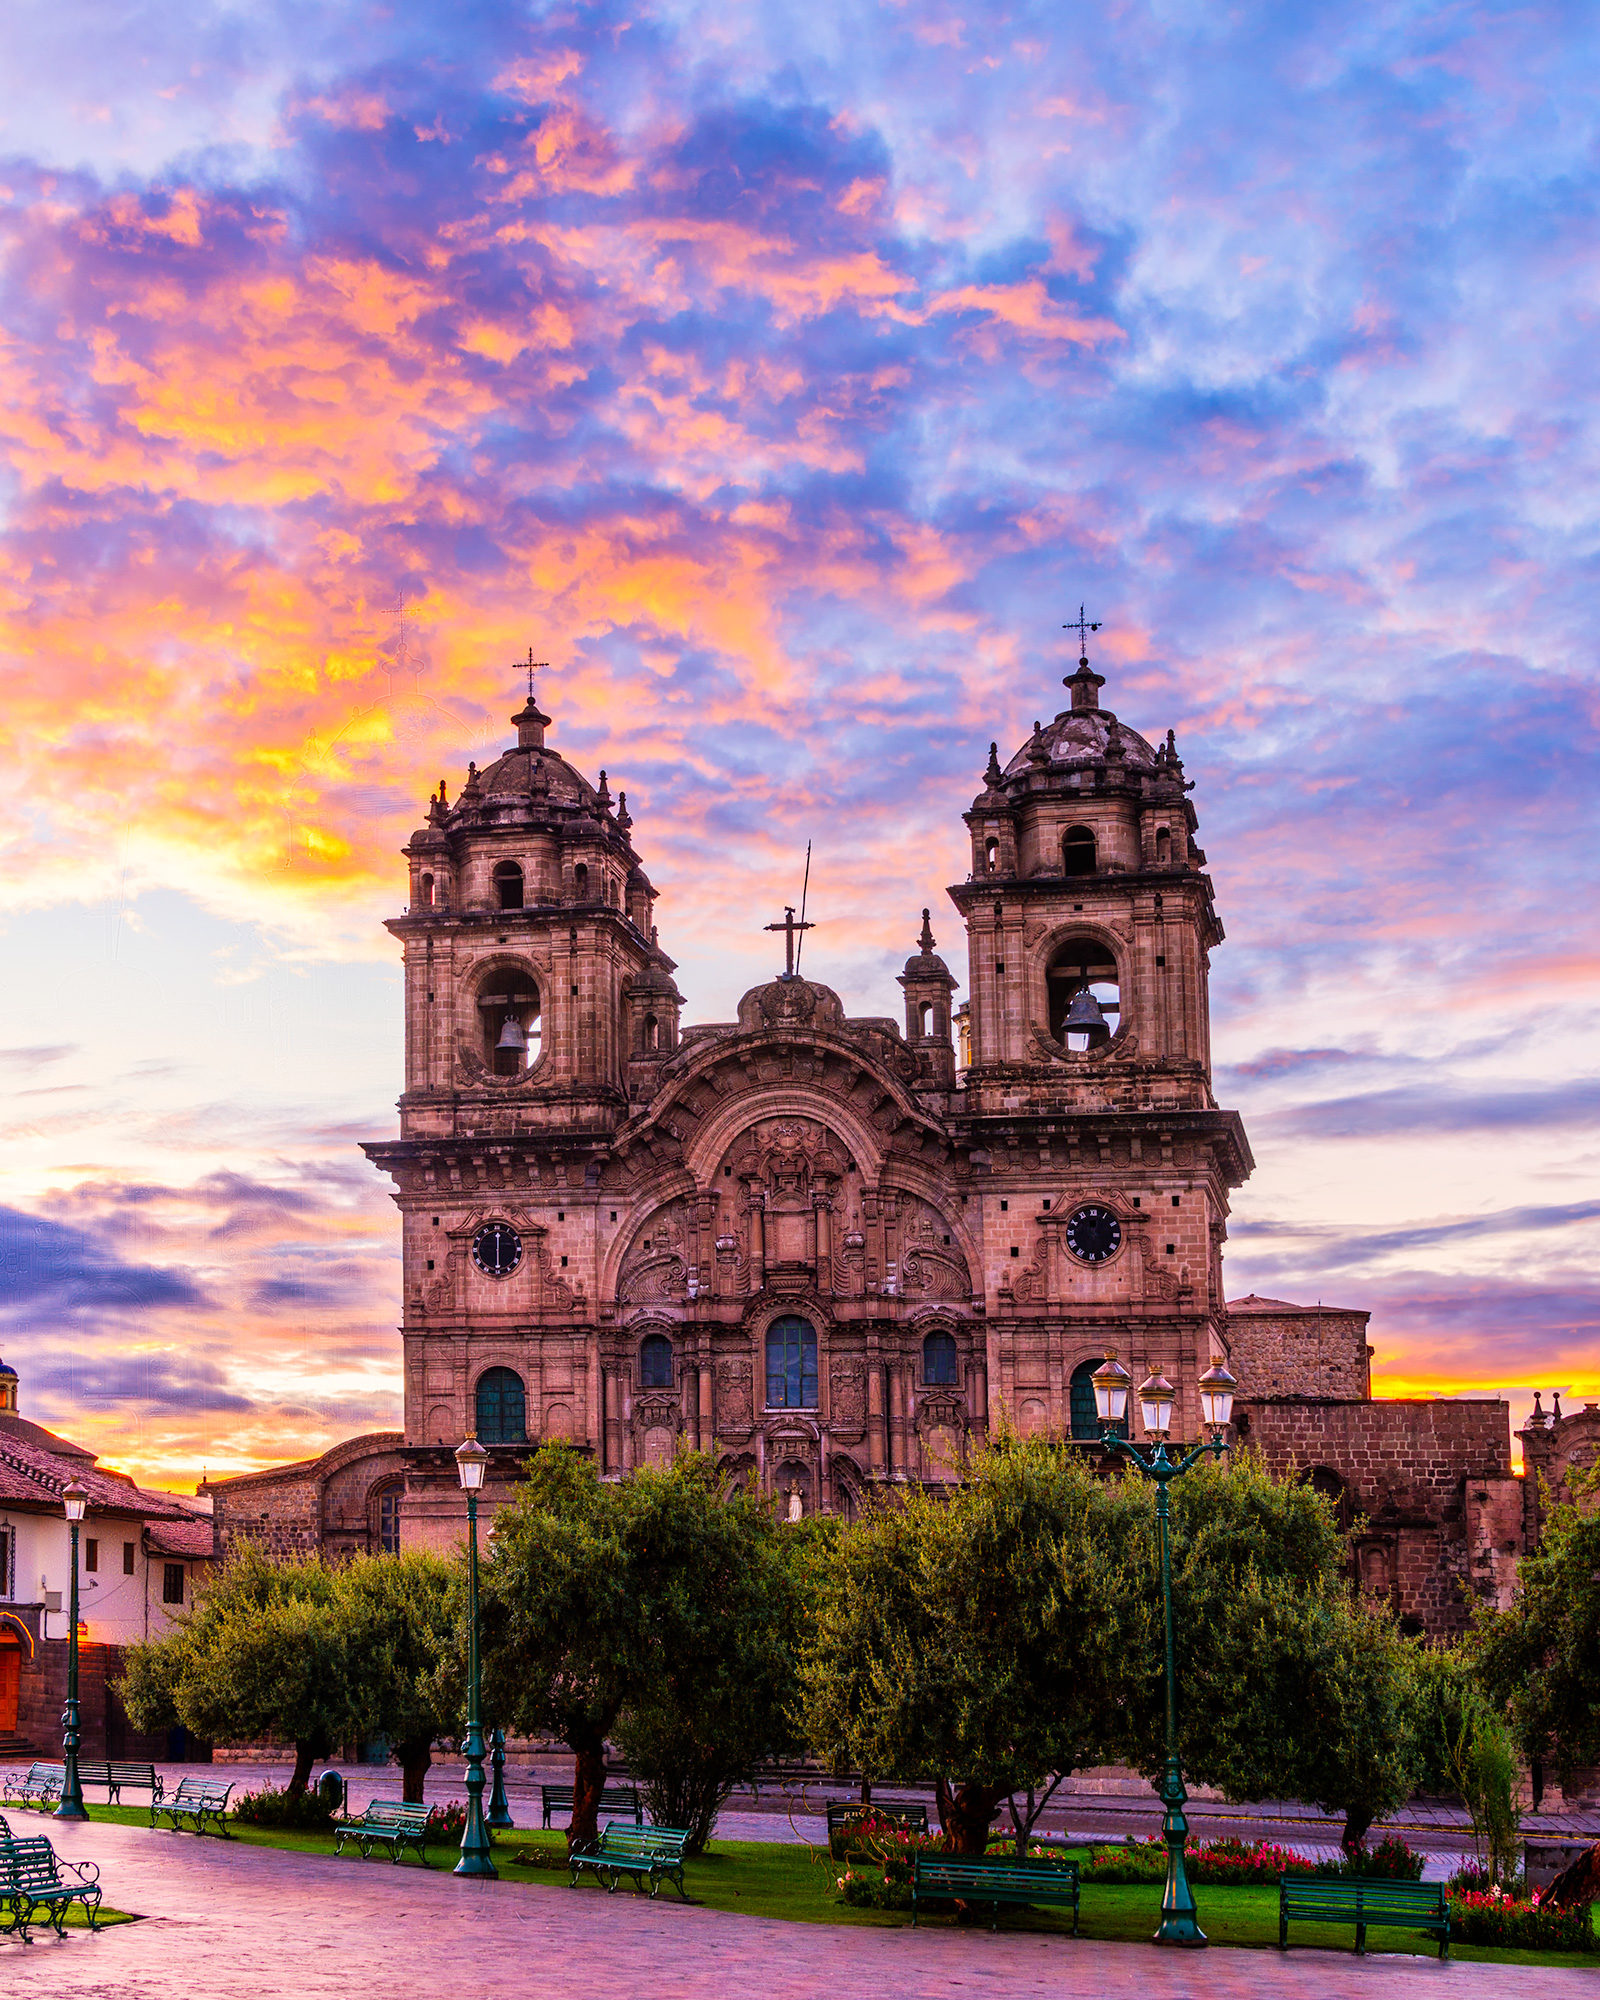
502,1407
924,1017
941,1366
508,885
991,855
580,881
1077,851
1163,847
1079,966
1085,1421
611,892
511,1030
389,1520
655,1362
1324,1480
652,1032
791,1364
426,888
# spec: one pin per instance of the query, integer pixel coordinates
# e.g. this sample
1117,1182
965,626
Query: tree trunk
305,1755
416,1756
1357,1824
588,1782
966,1812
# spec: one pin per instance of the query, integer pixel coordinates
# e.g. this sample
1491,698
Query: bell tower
1090,923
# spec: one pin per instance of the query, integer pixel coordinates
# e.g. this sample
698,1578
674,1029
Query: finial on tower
993,776
925,942
530,724
1085,683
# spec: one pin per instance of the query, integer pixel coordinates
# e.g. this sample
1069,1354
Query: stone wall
104,1728
1427,1483
1277,1349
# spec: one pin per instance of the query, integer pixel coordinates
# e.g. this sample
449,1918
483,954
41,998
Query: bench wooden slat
969,1880
393,1823
1365,1901
197,1799
613,1798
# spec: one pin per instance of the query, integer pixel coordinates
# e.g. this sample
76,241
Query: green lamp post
1156,1399
471,1463
75,1499
499,1806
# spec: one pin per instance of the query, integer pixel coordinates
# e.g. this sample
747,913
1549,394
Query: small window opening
925,1017
940,1361
91,1555
652,1032
426,888
991,856
501,1407
389,1521
1084,994
172,1583
655,1362
127,1559
1163,847
580,880
508,885
1084,1416
511,1031
1077,851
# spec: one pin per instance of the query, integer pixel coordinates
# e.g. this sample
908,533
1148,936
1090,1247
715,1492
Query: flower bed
1495,1916
1242,1864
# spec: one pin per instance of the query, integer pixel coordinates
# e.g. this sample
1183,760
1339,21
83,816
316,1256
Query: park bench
639,1851
1364,1900
41,1785
944,1876
138,1777
847,1816
613,1798
386,1823
33,1877
198,1799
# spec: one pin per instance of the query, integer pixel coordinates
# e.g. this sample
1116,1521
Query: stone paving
250,1923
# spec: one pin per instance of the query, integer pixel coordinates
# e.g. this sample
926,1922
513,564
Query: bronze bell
511,1035
1085,1016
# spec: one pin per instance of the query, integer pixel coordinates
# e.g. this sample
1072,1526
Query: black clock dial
497,1249
1093,1233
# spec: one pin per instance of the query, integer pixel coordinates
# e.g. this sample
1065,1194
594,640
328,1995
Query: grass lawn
795,1884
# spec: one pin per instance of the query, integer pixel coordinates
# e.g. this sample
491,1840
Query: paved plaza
252,1923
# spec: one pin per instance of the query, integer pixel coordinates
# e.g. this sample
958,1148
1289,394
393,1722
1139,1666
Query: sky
785,377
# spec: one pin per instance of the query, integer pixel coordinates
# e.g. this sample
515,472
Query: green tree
657,1607
1464,1746
1537,1661
263,1653
401,1615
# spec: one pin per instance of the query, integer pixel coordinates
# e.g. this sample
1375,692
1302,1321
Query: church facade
834,1251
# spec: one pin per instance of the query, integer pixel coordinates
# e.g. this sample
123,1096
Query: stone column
875,1418
824,1204
708,1426
758,1241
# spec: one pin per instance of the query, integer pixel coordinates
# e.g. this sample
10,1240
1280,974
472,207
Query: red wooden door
10,1680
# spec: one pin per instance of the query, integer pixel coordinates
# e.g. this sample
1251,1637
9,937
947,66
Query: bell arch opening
509,1022
1085,993
1078,851
508,885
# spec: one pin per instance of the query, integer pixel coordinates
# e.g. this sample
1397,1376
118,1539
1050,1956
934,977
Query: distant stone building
138,1556
834,1250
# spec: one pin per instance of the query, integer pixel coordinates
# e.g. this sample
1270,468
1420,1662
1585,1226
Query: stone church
830,1249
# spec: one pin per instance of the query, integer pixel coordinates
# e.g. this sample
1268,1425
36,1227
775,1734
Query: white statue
797,1506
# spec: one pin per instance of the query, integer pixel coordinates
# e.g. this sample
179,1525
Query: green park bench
33,1877
847,1817
39,1785
640,1851
1364,1900
941,1877
613,1798
198,1799
387,1823
138,1777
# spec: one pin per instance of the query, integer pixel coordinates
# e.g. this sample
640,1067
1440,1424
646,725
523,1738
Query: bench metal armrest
86,1872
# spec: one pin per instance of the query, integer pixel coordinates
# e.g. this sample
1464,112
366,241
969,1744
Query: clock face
1093,1233
497,1249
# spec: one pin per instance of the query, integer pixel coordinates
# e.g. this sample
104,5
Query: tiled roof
194,1539
30,1473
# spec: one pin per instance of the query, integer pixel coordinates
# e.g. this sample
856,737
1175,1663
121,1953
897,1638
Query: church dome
536,773
1079,738
925,962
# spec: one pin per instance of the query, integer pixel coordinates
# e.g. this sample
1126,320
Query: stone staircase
15,1749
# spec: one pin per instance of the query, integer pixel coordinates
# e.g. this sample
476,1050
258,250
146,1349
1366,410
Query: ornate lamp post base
1178,1915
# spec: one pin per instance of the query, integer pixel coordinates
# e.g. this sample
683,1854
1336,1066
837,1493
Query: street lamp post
499,1805
75,1499
471,1462
1156,1398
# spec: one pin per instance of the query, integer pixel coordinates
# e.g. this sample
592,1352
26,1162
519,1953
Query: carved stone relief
735,1407
847,1395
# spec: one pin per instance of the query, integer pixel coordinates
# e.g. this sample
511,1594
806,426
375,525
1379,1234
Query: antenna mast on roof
804,888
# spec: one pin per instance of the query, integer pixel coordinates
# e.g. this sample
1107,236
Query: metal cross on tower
535,666
791,928
1083,627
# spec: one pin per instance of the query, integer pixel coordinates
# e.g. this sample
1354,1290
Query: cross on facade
535,666
791,927
1083,627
